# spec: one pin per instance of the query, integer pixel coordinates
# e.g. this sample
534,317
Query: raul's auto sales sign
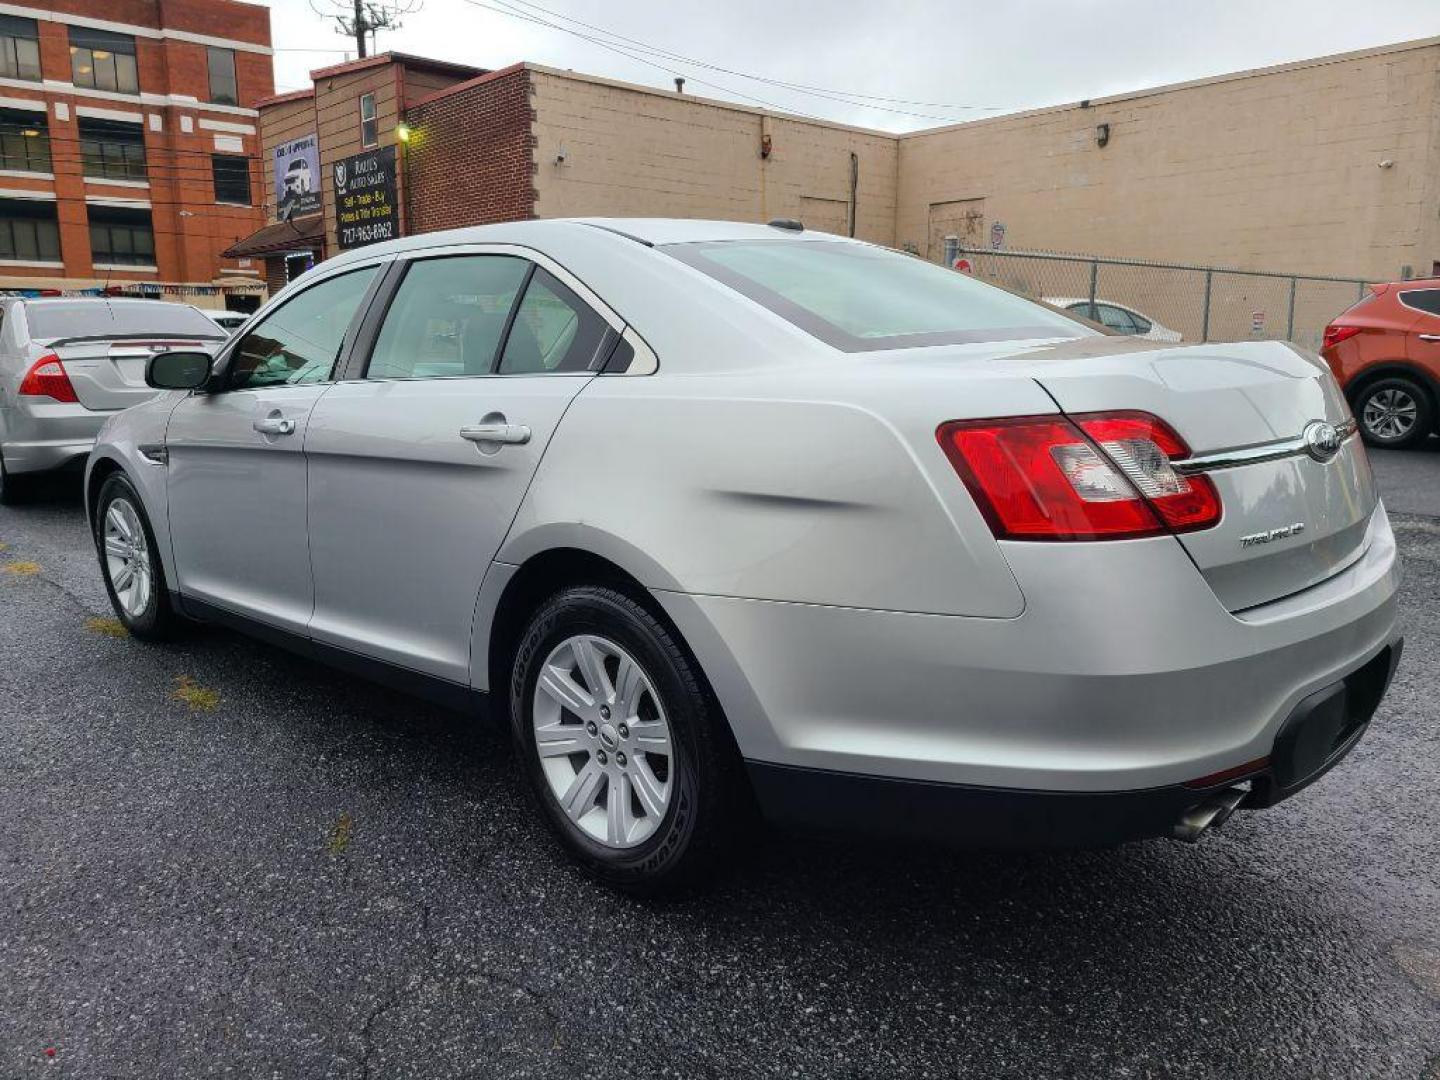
365,211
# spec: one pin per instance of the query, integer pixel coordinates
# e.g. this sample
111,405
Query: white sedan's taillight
1090,477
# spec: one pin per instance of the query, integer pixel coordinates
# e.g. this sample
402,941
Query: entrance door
417,469
236,473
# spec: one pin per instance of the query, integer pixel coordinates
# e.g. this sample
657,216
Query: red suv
1385,350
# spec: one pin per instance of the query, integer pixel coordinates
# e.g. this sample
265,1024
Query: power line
853,99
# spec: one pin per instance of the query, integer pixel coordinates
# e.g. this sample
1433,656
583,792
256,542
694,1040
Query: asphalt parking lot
216,859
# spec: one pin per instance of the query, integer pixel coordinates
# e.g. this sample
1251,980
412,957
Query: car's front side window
448,317
301,340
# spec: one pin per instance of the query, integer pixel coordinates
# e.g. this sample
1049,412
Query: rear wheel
130,562
622,746
1394,412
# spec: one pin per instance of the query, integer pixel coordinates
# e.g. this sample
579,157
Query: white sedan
716,515
1116,317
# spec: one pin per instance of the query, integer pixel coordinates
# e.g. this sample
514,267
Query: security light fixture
1102,134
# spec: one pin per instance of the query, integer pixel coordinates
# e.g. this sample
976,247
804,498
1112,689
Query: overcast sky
935,55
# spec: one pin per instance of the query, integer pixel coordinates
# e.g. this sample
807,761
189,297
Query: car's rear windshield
97,319
858,298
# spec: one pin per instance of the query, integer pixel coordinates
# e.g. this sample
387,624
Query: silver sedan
718,516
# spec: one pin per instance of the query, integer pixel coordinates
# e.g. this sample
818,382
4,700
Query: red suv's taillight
47,378
1090,477
1335,333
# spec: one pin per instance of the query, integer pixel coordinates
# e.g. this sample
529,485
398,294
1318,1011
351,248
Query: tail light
1100,476
47,378
1335,333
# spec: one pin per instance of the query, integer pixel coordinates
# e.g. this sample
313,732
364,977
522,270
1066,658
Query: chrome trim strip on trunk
1254,455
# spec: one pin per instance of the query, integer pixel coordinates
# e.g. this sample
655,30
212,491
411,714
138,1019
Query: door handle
274,425
1430,337
514,434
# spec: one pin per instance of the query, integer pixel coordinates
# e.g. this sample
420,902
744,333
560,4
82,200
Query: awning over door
297,234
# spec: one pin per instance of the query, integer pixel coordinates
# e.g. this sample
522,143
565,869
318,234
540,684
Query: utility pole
359,18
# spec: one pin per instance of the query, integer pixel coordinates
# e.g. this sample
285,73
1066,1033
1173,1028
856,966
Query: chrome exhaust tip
1209,813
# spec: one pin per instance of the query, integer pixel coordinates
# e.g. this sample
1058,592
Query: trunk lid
1290,521
109,374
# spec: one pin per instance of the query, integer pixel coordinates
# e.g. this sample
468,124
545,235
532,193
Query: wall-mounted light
402,132
1386,164
560,155
1102,134
765,146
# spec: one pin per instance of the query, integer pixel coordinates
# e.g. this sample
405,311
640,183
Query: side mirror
178,370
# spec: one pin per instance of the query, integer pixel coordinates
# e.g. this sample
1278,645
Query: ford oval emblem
1322,440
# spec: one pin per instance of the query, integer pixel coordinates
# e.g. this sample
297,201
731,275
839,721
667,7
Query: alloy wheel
603,740
1390,414
127,557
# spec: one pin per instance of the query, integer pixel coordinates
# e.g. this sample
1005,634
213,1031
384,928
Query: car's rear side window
1426,300
857,297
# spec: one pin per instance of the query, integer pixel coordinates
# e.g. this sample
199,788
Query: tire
14,490
1395,412
627,845
119,510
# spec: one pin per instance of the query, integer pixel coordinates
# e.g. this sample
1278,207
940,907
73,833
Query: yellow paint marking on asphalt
20,568
109,627
197,697
340,834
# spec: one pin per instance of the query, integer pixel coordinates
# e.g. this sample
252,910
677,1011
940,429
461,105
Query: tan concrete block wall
1273,170
630,151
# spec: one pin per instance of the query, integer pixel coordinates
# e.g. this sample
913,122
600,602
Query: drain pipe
854,189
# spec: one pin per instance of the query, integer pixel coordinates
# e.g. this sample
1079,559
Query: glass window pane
856,297
222,76
49,240
27,58
447,318
127,75
554,330
300,342
26,246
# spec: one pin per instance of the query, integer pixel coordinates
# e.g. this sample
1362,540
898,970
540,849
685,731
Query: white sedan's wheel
127,558
622,746
603,740
130,561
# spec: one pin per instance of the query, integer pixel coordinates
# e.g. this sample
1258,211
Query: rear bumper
1319,732
1123,674
48,435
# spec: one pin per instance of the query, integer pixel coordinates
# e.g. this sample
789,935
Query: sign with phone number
365,210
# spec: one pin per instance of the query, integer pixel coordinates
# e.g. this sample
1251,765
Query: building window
112,149
29,231
120,236
24,140
19,48
369,122
232,178
223,90
103,61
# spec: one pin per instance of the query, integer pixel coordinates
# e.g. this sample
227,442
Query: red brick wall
471,157
191,229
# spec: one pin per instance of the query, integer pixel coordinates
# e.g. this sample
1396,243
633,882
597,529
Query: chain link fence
1197,303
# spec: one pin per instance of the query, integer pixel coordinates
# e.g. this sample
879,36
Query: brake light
1334,334
47,378
1093,477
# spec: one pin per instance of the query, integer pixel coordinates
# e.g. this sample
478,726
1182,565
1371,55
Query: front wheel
130,562
1394,412
622,747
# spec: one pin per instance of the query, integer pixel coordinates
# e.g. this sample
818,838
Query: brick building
128,146
1325,166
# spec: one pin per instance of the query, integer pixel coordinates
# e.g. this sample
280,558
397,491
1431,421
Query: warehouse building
1325,166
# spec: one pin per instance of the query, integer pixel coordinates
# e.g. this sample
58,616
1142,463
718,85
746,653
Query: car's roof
112,301
648,231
